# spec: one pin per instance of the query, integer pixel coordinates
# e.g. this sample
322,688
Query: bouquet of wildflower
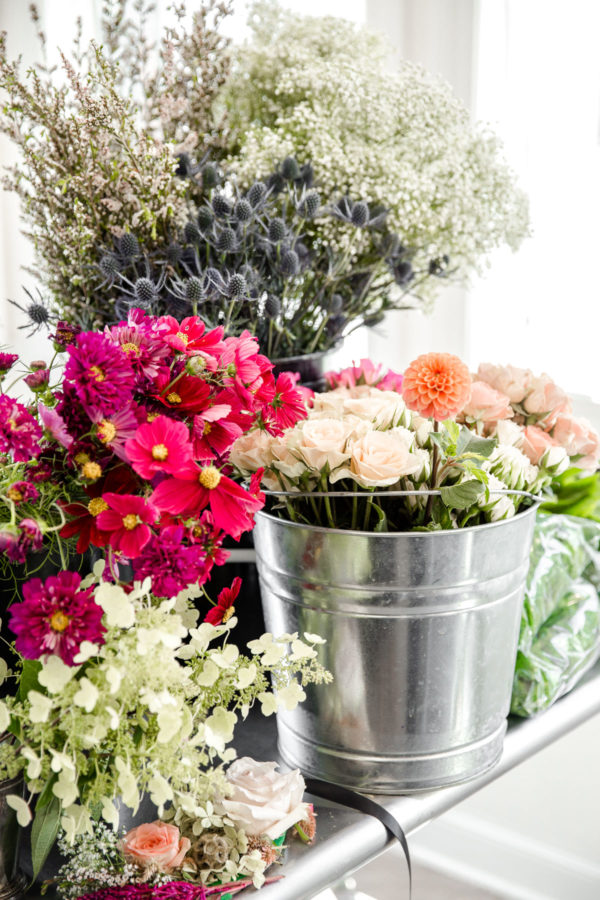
125,447
321,88
119,694
252,260
428,450
100,147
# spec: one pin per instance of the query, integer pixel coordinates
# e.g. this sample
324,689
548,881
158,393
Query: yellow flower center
91,470
160,452
130,521
209,477
228,614
106,431
96,506
173,397
151,416
59,621
14,494
81,459
97,372
182,337
129,347
207,428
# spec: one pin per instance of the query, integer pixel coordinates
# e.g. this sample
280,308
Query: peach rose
487,404
579,438
323,441
155,844
535,443
262,800
546,399
252,451
378,459
509,380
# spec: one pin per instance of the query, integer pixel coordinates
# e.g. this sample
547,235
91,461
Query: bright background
532,69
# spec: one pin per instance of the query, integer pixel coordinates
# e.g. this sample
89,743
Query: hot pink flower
55,618
190,337
100,373
224,608
391,381
7,361
127,522
20,434
114,431
159,446
196,488
212,432
185,394
287,406
241,353
171,564
55,425
486,404
22,492
140,341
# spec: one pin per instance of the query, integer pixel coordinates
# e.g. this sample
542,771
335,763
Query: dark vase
310,366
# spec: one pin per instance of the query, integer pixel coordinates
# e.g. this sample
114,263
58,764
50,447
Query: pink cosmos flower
186,394
212,432
241,353
287,406
159,446
127,521
486,404
54,425
196,488
20,434
190,337
101,374
224,608
114,431
55,618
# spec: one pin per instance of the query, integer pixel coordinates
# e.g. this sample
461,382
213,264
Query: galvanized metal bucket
421,631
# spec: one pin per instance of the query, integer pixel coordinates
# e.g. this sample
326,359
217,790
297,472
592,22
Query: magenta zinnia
20,434
100,373
55,618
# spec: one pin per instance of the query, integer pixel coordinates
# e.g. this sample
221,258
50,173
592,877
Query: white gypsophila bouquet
320,89
145,703
457,444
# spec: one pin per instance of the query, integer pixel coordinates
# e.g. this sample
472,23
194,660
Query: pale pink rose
579,438
330,403
378,459
381,407
508,432
546,400
509,380
486,404
155,844
284,459
264,801
252,451
322,442
535,443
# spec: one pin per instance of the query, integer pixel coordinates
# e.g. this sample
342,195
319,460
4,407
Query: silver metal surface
421,632
12,885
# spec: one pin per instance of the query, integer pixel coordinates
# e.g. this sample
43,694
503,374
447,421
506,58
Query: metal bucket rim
320,529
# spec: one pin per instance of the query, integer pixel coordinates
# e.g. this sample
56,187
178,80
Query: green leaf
29,678
472,443
461,496
382,524
46,795
43,833
453,430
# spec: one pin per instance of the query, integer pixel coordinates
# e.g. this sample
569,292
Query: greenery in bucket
461,450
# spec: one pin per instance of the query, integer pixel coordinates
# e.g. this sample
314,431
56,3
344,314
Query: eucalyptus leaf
43,833
461,496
